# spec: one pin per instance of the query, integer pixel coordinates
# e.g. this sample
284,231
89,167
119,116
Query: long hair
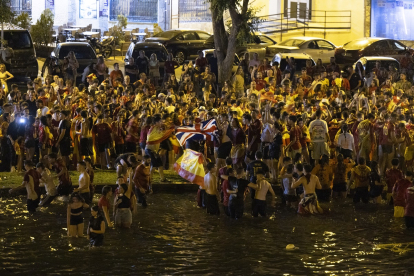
76,195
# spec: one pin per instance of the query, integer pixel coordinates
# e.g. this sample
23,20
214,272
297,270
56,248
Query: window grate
134,10
20,6
194,11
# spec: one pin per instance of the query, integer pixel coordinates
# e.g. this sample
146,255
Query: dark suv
84,53
149,48
184,44
23,62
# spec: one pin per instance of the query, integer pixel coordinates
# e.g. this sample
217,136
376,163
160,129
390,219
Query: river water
173,236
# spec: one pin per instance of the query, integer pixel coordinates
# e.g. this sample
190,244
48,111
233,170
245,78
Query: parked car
351,51
259,45
368,63
149,48
84,53
300,60
184,44
313,46
23,62
209,53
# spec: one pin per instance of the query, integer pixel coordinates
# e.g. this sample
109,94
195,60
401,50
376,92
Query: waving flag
190,167
200,131
157,135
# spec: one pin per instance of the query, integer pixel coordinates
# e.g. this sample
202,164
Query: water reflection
172,236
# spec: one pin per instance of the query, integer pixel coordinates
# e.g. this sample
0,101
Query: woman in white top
346,143
154,69
4,77
48,183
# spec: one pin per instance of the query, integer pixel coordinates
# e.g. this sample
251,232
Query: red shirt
35,176
409,203
222,171
295,132
392,176
169,66
117,130
64,179
133,125
260,84
254,129
103,202
102,133
226,196
144,134
142,176
399,191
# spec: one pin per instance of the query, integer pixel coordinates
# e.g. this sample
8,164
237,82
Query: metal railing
304,20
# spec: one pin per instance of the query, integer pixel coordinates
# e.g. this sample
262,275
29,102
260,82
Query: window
265,40
203,36
324,45
381,47
291,42
134,10
312,45
81,52
397,46
194,11
160,52
88,9
189,36
18,39
19,6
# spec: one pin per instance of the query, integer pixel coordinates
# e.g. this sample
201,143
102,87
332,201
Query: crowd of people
322,132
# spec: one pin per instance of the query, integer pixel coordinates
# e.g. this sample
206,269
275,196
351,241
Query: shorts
361,193
265,150
103,147
85,146
319,149
155,158
409,222
131,147
346,153
259,207
76,219
376,190
223,150
212,204
339,187
32,205
123,215
142,145
290,198
96,239
292,153
323,194
64,146
398,211
385,149
119,149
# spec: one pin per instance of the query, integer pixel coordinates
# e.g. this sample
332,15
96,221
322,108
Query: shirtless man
212,194
86,142
84,181
259,201
310,182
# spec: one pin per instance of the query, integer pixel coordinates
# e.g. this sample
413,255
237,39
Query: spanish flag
157,135
176,145
190,167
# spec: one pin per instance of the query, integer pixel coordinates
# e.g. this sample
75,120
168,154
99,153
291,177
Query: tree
42,30
6,16
117,30
239,29
23,20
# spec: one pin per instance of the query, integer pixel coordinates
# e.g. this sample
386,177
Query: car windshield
357,44
291,42
384,63
161,54
300,63
169,34
18,39
81,52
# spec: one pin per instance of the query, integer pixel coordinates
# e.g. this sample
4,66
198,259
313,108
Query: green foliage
6,13
157,28
122,21
117,30
42,31
23,20
247,28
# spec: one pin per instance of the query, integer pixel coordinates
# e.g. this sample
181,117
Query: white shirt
47,181
42,112
346,141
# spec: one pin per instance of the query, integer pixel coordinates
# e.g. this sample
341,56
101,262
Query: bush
23,20
42,31
117,31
